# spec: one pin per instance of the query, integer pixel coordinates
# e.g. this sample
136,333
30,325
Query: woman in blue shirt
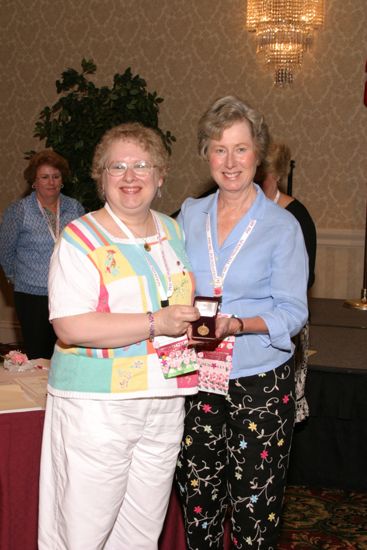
249,252
28,232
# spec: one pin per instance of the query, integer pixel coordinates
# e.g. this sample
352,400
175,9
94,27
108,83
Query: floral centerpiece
16,361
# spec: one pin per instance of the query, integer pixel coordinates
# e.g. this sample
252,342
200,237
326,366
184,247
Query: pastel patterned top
91,270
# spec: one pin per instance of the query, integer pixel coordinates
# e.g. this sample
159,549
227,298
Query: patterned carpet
324,518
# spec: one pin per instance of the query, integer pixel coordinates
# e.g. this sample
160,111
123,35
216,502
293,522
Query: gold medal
203,330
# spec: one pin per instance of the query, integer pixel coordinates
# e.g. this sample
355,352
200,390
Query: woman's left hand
226,326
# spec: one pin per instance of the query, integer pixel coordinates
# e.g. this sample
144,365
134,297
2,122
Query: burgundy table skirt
20,450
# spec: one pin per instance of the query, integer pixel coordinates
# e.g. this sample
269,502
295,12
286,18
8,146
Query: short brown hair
224,112
148,138
47,156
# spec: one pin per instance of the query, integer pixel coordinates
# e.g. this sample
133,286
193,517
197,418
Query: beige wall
190,52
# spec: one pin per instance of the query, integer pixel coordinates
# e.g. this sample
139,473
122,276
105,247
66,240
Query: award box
204,327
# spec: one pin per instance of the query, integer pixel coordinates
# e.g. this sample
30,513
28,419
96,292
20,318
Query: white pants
106,472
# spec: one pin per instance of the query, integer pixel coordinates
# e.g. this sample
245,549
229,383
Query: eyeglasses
118,168
54,177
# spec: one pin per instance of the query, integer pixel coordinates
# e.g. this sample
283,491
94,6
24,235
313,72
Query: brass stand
362,303
358,304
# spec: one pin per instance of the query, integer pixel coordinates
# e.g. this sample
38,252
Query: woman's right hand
174,320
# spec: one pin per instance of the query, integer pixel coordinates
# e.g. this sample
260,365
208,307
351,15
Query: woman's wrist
240,323
151,326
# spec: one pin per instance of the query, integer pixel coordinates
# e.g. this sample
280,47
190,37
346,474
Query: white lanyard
163,293
54,234
218,280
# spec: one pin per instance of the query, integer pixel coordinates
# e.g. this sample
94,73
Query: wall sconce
284,31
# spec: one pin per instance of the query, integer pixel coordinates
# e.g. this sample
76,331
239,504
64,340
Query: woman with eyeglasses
121,291
28,233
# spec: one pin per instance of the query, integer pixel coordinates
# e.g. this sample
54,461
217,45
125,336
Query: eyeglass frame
130,165
53,177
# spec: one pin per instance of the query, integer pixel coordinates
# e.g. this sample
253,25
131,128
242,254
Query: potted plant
76,122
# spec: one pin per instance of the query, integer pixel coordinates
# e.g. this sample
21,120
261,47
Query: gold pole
362,303
358,304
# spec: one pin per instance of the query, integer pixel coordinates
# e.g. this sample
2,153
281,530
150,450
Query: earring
61,186
159,193
33,186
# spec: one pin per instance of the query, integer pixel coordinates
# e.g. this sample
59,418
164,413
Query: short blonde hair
278,161
149,139
222,114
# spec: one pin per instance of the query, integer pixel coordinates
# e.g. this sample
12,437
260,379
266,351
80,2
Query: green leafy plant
76,122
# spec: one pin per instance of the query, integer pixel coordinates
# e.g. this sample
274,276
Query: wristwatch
241,324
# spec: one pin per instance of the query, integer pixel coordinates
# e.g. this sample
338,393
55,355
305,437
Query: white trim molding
339,263
340,237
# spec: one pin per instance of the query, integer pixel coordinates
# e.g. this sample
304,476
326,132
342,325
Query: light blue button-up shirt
26,244
268,278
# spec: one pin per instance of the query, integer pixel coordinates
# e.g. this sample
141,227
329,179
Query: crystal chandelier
284,31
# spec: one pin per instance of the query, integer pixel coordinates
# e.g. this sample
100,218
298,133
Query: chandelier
284,31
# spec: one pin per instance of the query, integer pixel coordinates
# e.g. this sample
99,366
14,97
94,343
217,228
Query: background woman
245,249
28,233
275,172
119,280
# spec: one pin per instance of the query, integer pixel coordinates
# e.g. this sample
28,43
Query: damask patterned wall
190,52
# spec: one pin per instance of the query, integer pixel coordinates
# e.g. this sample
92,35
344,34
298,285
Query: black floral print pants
234,459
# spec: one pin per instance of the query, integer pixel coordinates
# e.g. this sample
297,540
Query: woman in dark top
272,177
273,180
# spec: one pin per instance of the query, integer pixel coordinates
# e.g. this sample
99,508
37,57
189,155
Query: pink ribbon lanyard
54,235
163,293
218,280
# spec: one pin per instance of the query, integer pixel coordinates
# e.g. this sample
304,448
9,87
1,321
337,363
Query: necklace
164,293
146,245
